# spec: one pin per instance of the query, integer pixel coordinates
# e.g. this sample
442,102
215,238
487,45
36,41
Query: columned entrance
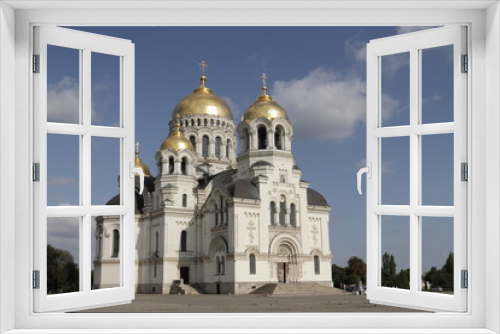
286,265
283,272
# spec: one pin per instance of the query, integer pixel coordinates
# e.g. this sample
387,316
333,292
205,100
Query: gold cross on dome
203,64
264,79
137,147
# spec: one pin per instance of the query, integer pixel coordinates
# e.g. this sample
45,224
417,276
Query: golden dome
140,164
264,107
176,140
203,102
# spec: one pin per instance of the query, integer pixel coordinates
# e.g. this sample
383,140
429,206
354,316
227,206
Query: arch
171,165
285,238
184,200
218,142
204,149
116,243
272,211
293,215
199,122
183,241
217,244
184,166
192,139
262,137
316,265
252,264
279,137
282,214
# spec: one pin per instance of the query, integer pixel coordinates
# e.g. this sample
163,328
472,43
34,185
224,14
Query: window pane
395,170
437,169
63,255
395,251
395,89
107,244
437,254
105,89
437,84
63,170
105,171
63,85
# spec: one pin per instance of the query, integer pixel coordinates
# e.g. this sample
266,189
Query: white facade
222,223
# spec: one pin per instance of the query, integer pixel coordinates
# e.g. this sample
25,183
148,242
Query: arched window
192,139
316,265
217,146
216,212
218,122
184,166
183,241
184,200
262,136
186,122
171,165
228,145
116,243
212,122
205,122
217,268
282,212
278,138
272,210
204,148
192,122
223,265
293,215
199,122
252,264
246,140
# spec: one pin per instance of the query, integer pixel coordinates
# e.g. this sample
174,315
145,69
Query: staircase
296,289
185,289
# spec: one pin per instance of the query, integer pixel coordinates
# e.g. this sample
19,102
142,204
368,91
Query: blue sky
317,74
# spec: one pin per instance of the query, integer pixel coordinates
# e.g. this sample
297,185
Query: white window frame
483,20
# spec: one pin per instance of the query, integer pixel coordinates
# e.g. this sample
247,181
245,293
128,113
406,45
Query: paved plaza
204,303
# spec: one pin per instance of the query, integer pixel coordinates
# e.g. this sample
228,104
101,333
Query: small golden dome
176,140
139,163
264,107
203,102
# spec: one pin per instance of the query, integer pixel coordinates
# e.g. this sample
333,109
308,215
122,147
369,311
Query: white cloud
59,181
63,233
63,102
326,105
406,30
387,166
356,49
391,64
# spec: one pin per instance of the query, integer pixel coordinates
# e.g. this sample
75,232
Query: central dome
203,102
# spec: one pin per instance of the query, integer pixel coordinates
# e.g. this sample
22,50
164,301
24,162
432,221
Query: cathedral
216,220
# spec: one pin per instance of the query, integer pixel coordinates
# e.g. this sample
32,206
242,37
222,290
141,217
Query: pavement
204,303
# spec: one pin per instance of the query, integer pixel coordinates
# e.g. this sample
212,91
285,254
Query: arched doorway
286,264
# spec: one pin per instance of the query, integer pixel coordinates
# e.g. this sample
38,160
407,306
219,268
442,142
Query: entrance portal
283,272
185,275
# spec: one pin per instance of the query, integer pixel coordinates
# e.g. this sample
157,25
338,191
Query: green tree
388,270
62,272
442,278
403,279
356,267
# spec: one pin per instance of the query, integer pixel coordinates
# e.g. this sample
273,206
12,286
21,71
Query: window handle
368,171
139,171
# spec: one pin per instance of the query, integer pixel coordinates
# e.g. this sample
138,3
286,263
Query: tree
62,272
403,279
356,267
388,270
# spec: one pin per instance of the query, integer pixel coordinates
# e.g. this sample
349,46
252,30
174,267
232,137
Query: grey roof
243,189
262,163
139,202
315,198
296,167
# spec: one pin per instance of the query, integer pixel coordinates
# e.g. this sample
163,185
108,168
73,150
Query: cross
203,64
315,232
137,147
251,228
264,78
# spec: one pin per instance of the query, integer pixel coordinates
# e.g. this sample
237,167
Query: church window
205,122
204,150
252,264
217,147
186,122
218,122
212,122
293,215
282,211
246,140
216,213
192,122
183,241
184,200
262,137
278,138
171,165
116,243
184,166
223,265
199,122
228,145
316,265
192,139
217,264
272,210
